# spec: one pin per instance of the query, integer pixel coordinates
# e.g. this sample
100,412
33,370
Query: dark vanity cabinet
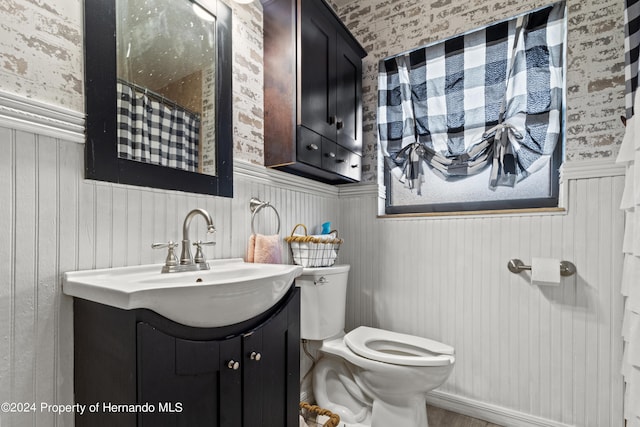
313,92
241,375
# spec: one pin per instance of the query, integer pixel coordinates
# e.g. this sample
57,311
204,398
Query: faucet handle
172,259
199,257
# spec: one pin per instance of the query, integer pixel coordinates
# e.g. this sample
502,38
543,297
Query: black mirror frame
101,158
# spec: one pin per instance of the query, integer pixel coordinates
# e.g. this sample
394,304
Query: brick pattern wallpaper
41,51
41,57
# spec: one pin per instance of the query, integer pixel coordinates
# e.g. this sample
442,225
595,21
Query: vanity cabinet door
271,373
189,383
265,373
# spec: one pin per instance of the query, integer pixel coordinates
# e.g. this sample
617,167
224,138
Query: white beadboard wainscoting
53,221
526,355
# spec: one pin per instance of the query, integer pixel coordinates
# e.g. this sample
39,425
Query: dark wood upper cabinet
313,92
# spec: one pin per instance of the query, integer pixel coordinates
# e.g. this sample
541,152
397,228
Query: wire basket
310,415
313,251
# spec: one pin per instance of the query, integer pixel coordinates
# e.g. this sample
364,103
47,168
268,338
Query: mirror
166,83
158,94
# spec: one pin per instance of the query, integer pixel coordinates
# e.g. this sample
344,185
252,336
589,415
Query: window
476,121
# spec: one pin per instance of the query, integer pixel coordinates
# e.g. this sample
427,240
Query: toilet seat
396,348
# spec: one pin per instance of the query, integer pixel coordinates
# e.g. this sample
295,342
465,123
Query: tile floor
441,418
437,418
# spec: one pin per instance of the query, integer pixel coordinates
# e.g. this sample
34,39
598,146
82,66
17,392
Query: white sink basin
230,292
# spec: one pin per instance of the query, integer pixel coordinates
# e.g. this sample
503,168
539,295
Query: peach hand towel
264,249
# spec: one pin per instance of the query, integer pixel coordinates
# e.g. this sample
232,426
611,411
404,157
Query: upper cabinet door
318,97
327,107
349,93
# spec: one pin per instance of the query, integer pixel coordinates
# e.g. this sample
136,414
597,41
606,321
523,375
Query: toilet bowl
370,377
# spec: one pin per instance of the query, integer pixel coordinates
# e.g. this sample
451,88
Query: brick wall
41,57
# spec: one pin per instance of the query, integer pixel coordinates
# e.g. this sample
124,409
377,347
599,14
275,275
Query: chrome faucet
187,262
185,257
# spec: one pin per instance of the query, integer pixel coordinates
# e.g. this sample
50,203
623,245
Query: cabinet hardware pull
312,147
255,356
331,154
354,166
340,160
339,124
233,365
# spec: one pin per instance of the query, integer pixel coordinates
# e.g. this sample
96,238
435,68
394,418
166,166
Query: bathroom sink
230,292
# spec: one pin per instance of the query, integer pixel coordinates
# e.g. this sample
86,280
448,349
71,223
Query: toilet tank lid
334,269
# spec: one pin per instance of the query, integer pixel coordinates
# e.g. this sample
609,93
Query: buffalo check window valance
491,98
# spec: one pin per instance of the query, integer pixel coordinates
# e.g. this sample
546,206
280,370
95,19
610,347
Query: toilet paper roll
545,271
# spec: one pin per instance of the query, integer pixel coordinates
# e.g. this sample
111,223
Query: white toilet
370,377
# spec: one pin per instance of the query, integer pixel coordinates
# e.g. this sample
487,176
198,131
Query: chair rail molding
592,168
30,115
570,170
258,173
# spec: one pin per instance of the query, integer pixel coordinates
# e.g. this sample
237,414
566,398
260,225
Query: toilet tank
323,295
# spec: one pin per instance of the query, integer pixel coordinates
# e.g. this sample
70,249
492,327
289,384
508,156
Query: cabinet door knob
340,160
312,147
255,356
233,365
354,166
339,124
331,154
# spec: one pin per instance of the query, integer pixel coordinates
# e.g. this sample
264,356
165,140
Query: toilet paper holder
515,265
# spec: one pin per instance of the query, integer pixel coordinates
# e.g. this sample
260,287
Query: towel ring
255,205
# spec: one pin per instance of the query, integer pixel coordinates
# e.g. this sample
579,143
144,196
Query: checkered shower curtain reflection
152,132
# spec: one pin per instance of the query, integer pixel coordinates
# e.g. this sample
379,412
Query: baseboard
488,412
